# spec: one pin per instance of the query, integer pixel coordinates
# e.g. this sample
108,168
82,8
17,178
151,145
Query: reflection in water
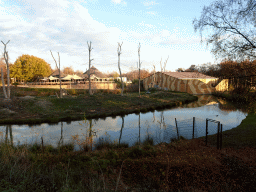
160,125
121,130
8,130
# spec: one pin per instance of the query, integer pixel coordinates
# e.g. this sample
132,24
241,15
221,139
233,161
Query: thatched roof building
56,74
94,72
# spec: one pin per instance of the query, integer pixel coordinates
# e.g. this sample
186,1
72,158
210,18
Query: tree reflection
121,130
8,130
61,135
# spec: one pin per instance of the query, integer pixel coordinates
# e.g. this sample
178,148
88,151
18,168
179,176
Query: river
160,125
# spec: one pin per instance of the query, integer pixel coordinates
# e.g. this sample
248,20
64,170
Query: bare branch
54,60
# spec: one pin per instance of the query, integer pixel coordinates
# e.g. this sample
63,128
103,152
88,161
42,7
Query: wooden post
139,128
177,129
218,136
206,130
193,127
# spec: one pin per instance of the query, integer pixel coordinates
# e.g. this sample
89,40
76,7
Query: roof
189,75
56,73
95,72
69,77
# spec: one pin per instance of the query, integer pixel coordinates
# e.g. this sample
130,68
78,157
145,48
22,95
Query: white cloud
59,26
119,2
36,27
149,3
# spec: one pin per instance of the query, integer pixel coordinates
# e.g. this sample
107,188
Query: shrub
67,148
135,153
73,92
116,91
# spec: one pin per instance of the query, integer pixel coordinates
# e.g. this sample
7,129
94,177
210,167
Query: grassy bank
44,106
184,165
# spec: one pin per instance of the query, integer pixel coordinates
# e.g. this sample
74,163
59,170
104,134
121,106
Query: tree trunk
3,84
6,57
119,53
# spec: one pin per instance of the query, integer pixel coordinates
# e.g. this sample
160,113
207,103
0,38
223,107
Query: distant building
191,82
96,75
123,78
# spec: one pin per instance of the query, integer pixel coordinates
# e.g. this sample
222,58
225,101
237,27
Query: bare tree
164,69
59,71
119,53
6,58
139,67
160,83
154,76
230,27
89,71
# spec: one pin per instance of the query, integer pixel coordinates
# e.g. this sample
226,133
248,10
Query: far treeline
225,69
30,68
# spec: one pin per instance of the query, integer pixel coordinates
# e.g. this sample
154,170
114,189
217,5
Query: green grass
43,107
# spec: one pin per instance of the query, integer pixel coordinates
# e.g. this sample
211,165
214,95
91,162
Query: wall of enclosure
192,86
56,85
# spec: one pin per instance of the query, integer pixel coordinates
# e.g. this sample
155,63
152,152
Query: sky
162,27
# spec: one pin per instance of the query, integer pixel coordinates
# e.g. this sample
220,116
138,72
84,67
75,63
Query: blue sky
162,27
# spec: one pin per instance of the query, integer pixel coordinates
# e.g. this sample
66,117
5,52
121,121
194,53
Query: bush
73,92
119,84
116,91
15,84
132,88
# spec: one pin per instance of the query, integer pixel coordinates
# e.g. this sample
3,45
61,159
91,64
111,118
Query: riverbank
33,106
183,165
243,135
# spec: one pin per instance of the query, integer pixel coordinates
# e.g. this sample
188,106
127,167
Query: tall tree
6,58
230,26
59,70
29,68
89,71
119,53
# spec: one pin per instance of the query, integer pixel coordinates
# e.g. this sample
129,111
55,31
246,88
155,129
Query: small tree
59,71
89,71
6,57
119,53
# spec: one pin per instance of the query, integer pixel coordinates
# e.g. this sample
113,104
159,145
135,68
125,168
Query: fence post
218,136
206,130
193,127
177,129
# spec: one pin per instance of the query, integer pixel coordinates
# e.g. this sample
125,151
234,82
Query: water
133,127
